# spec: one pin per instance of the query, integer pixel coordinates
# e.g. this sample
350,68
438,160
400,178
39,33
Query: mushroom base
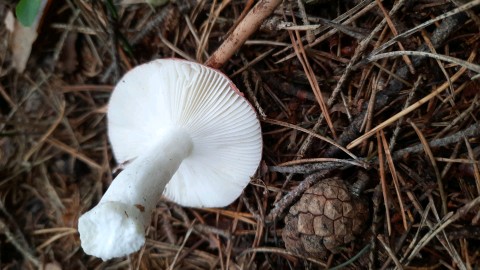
111,229
116,226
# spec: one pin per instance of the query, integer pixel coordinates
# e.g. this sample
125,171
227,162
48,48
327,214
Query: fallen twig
242,32
471,131
310,168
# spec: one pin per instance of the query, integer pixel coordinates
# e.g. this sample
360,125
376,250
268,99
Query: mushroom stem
116,226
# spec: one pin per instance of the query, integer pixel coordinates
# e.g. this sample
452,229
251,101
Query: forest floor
320,74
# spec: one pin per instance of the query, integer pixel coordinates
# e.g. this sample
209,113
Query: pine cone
325,218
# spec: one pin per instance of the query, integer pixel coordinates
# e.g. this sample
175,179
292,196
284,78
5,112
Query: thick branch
244,30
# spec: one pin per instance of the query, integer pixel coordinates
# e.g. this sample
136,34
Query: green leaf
27,11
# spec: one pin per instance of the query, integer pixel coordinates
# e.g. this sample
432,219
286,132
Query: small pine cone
325,218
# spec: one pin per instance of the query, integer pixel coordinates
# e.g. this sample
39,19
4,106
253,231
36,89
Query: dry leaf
21,45
10,21
22,39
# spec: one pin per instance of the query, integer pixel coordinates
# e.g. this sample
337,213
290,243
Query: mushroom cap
223,126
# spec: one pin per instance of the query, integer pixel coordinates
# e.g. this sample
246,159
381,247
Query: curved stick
242,32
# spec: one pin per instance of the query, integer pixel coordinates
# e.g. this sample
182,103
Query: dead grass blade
428,151
87,87
26,253
282,252
462,117
351,260
396,131
54,230
393,172
307,68
445,222
476,171
47,134
56,143
207,27
54,238
165,250
392,27
187,235
318,136
251,95
6,96
390,252
303,13
348,17
383,182
245,217
423,222
174,48
432,49
48,191
460,9
413,107
362,46
251,63
367,121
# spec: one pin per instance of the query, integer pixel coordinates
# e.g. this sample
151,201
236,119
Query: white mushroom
188,133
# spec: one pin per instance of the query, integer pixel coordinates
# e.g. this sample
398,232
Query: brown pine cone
325,218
